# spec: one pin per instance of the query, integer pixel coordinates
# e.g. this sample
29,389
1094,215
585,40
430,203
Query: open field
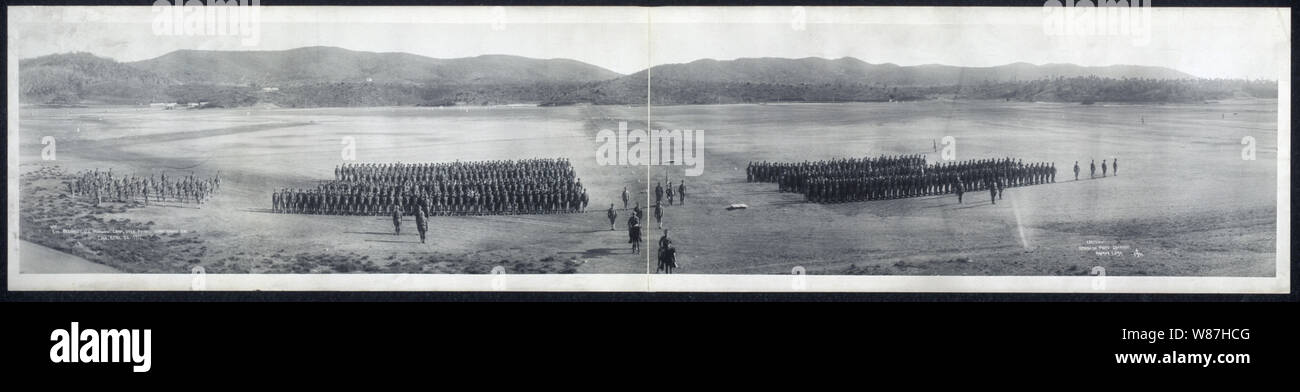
261,150
1184,197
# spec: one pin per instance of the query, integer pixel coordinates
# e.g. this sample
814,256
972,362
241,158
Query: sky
1226,42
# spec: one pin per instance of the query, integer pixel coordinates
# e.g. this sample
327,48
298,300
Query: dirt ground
1184,198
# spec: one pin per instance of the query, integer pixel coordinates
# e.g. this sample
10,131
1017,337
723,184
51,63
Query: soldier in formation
893,177
533,186
99,186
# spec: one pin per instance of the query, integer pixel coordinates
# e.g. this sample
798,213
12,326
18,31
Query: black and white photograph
1117,149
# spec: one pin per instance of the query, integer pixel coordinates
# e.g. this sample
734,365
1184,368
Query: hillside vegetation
333,77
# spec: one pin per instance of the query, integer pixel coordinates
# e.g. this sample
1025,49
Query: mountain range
848,70
328,76
328,64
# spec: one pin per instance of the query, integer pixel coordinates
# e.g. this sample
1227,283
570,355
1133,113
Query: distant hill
303,77
850,70
328,64
78,77
334,77
752,80
1093,89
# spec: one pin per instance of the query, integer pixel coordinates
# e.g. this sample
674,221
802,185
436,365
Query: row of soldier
661,191
323,202
855,180
460,188
100,186
399,173
881,166
1092,167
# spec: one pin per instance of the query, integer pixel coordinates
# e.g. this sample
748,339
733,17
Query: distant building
270,89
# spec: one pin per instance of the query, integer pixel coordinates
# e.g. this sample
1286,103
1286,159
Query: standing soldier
625,198
993,193
1103,168
637,211
669,192
397,222
999,182
659,192
634,233
681,191
1076,170
1092,171
421,222
668,259
667,255
1114,166
959,189
612,216
659,215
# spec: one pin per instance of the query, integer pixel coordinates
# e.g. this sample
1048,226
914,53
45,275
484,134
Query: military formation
531,186
1114,166
103,186
894,177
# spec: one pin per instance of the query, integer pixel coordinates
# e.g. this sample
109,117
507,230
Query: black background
200,340
439,340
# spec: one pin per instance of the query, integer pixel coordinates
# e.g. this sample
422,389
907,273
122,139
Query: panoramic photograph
851,142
